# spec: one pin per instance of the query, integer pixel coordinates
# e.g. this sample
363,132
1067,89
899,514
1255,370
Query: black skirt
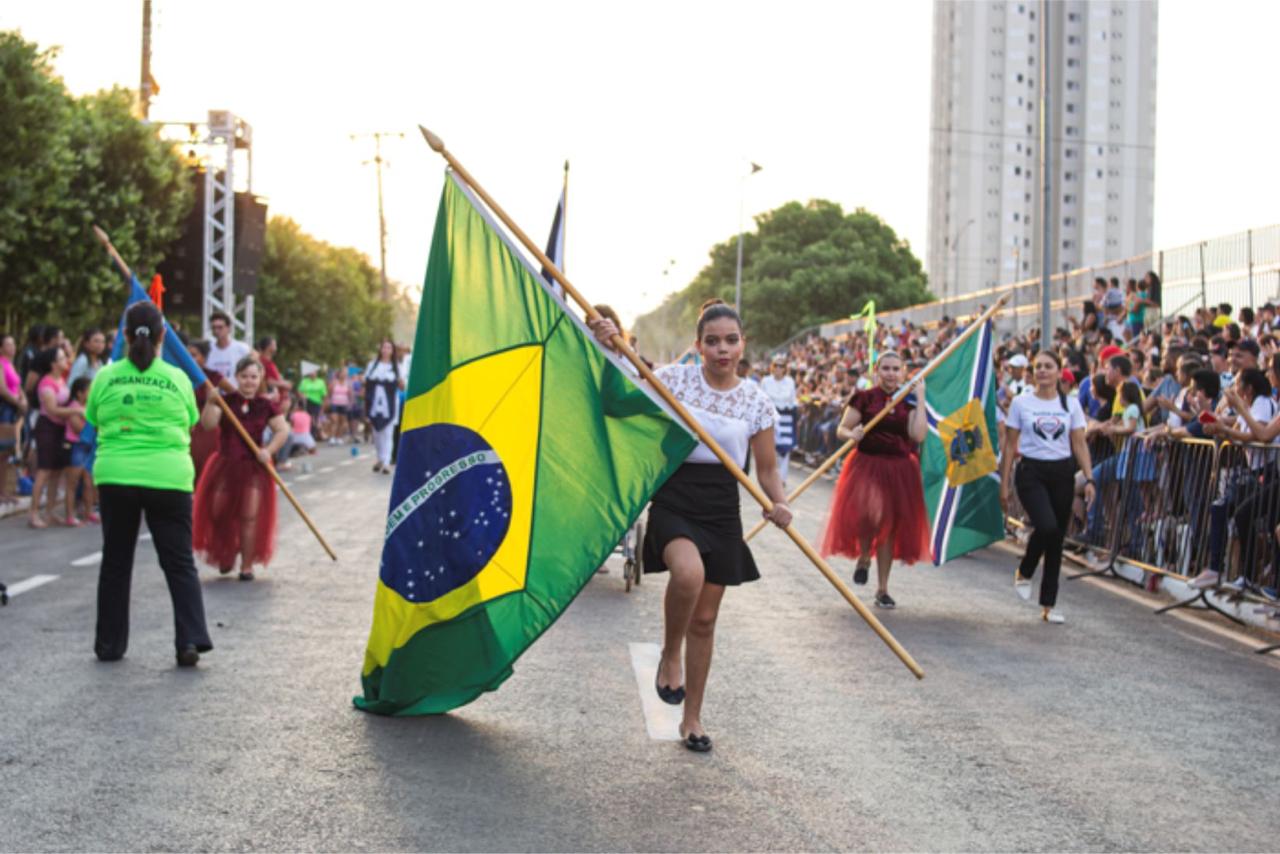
53,452
700,503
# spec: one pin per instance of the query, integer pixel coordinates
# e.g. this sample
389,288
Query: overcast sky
658,106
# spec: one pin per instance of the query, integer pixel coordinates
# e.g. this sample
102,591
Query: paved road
1120,730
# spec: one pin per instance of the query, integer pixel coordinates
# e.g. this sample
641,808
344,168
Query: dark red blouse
890,437
254,415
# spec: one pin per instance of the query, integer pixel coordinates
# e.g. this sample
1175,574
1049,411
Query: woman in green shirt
143,410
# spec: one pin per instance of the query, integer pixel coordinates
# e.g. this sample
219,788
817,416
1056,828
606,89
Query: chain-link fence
1240,269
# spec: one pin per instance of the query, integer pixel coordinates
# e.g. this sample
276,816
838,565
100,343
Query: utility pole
1046,168
742,203
378,161
146,84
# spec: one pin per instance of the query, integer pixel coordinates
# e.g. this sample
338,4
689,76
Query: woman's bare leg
700,641
684,565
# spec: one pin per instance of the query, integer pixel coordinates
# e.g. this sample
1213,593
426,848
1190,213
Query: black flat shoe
860,574
667,694
697,743
246,576
187,656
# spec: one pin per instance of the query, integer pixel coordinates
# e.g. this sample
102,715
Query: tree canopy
321,302
804,264
67,163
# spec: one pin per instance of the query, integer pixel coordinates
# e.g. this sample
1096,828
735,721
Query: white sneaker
1206,579
1022,586
1049,615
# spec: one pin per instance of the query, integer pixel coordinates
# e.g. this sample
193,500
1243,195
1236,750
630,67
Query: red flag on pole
156,292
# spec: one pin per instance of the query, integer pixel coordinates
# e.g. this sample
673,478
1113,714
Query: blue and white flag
555,242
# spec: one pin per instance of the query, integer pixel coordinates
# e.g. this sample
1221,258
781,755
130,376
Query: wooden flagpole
622,347
897,398
226,410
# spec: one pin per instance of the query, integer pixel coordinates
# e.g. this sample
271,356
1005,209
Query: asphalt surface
1118,731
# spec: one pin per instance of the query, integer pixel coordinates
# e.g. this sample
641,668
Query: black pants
1046,489
169,518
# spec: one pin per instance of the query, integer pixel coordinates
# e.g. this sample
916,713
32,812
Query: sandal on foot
696,743
860,574
667,694
225,570
246,576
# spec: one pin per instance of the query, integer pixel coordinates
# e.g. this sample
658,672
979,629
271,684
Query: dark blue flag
174,352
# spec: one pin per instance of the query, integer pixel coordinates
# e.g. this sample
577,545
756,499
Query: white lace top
731,417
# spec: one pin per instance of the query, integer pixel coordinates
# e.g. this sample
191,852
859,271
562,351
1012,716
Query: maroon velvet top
254,415
890,437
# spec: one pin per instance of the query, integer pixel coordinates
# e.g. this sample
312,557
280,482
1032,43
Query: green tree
805,264
65,164
321,302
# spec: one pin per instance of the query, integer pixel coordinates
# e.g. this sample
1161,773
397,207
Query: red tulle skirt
204,443
881,499
234,498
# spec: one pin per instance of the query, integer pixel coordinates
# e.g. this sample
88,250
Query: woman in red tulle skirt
878,506
235,502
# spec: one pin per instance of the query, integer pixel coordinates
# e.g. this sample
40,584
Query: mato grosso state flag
525,455
961,486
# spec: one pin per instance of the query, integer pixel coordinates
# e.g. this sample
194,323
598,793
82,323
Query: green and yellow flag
525,454
961,487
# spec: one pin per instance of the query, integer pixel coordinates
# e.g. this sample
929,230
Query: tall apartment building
984,186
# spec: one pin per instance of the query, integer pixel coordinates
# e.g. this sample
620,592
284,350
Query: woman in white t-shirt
1047,429
695,521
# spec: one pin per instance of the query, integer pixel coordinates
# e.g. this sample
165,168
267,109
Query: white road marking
300,478
661,720
348,462
30,584
88,560
326,469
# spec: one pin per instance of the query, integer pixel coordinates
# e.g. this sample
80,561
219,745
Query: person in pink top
52,451
340,398
79,477
13,404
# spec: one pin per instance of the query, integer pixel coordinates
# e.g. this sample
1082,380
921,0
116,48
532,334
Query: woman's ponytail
143,329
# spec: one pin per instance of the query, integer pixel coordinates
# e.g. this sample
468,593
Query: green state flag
526,452
961,485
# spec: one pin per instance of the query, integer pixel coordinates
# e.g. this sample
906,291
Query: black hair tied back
715,311
143,326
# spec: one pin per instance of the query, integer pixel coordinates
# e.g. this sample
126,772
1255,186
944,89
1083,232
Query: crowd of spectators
46,448
1143,381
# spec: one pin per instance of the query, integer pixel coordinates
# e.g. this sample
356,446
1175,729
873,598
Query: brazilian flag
961,486
526,452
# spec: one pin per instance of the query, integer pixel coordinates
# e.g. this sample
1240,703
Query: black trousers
168,515
1046,489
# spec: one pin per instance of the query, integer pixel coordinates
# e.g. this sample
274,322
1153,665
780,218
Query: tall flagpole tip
436,143
566,166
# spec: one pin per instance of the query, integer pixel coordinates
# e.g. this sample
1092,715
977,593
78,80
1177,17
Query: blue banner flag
174,351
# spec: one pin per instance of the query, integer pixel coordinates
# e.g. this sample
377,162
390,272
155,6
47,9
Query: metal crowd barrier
1176,508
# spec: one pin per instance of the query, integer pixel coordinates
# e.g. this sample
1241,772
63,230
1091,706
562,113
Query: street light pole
742,202
955,261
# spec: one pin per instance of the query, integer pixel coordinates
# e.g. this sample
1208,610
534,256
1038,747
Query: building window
1071,108
1069,176
1072,40
1017,170
1068,221
1019,78
1072,62
1016,217
1069,199
1099,173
